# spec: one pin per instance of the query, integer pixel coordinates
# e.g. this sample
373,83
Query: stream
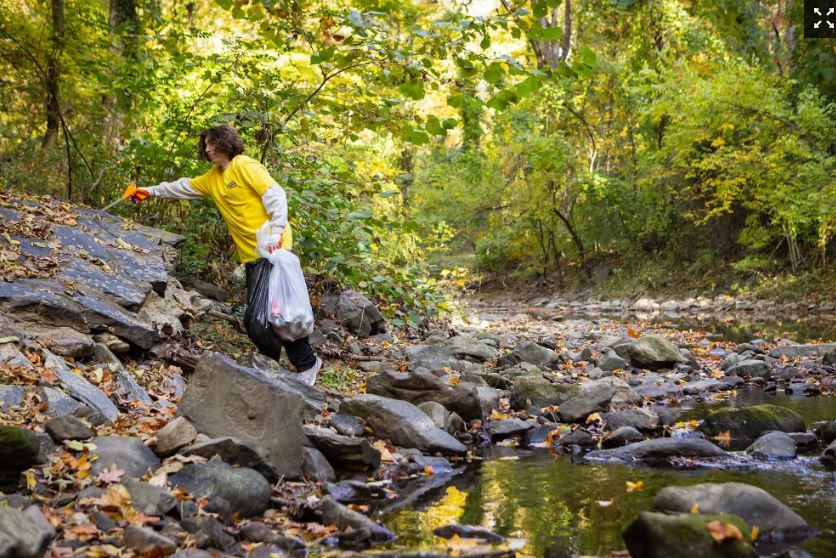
558,505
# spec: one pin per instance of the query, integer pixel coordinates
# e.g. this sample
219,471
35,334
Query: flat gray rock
402,423
420,385
774,445
653,352
658,449
81,389
128,454
24,534
247,492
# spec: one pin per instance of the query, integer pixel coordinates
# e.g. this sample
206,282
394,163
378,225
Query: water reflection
557,505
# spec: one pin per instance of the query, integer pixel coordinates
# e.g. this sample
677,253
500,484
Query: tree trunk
124,26
53,73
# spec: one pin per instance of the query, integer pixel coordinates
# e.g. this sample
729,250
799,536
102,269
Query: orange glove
136,195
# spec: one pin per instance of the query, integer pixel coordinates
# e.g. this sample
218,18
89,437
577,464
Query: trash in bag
287,306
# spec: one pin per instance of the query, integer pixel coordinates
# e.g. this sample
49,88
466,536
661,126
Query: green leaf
486,42
449,123
494,72
225,4
360,214
238,12
588,56
457,101
528,86
413,89
434,127
322,56
502,99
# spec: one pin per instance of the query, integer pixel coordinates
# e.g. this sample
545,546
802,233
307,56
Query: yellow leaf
593,417
721,532
428,471
30,479
695,509
755,532
638,486
724,437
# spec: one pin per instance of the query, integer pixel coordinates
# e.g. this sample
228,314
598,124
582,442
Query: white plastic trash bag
288,304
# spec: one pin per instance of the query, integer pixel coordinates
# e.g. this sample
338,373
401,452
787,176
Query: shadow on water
742,330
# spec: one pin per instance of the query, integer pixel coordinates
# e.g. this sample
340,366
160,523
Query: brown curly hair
226,140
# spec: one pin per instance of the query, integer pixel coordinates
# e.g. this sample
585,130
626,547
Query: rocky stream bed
505,433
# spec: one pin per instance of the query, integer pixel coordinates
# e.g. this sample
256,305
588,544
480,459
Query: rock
590,401
469,348
128,454
210,533
539,391
539,435
579,437
316,466
467,532
402,423
702,386
246,490
207,289
24,534
653,352
77,386
778,445
798,351
625,396
68,427
537,355
501,429
236,452
349,452
335,513
657,535
348,425
751,422
63,341
640,419
437,413
109,341
622,436
315,399
829,357
18,451
177,434
805,440
356,313
227,399
659,449
10,396
754,505
751,369
147,498
146,541
130,389
611,361
58,403
825,430
828,456
440,356
420,385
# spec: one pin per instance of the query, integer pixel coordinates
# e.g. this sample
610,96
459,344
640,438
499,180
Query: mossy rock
540,392
685,535
751,422
18,451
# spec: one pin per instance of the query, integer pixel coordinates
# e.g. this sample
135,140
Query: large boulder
753,504
654,351
246,490
750,368
315,399
751,422
127,453
537,390
227,399
420,385
658,535
356,313
659,449
18,451
402,423
24,534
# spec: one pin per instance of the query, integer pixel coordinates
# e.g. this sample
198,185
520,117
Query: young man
246,197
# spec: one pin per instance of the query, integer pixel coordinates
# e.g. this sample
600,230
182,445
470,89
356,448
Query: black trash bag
256,319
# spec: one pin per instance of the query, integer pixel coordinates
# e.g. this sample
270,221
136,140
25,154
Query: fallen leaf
111,474
721,532
695,509
637,486
724,437
755,532
428,471
593,417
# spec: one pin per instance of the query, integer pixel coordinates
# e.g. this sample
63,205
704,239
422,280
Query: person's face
215,156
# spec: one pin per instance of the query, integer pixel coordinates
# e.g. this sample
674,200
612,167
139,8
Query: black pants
299,352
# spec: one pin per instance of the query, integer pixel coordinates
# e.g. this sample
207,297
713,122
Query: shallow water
557,504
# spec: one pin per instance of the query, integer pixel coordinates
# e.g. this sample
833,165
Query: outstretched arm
180,189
